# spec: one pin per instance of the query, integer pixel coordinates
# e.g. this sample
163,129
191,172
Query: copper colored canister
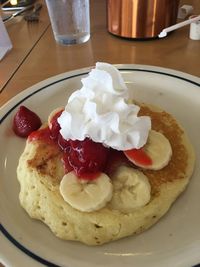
140,19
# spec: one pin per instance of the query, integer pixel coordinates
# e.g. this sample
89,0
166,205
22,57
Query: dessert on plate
104,167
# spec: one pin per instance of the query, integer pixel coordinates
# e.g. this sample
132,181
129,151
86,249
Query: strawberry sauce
139,156
55,126
86,158
43,135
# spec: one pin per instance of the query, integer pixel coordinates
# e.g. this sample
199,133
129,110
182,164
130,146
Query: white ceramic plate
173,241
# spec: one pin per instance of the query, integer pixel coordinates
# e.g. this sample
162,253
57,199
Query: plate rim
134,67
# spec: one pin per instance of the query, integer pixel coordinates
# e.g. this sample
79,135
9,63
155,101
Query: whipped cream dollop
99,111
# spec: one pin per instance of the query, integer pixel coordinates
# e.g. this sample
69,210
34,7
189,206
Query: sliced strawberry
87,157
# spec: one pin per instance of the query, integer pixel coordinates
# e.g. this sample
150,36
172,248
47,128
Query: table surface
36,56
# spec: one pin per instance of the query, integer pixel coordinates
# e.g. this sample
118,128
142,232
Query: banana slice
156,153
52,114
131,189
86,195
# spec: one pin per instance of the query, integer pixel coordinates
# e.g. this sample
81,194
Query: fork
15,14
34,14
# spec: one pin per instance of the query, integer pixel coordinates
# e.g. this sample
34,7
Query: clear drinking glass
70,20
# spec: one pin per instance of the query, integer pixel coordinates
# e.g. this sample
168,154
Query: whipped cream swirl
99,111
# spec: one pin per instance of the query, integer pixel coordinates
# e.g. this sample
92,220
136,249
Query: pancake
40,171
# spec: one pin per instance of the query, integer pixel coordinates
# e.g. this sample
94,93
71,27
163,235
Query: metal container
140,19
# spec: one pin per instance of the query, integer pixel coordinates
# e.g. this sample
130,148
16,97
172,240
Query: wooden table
36,56
42,57
24,36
